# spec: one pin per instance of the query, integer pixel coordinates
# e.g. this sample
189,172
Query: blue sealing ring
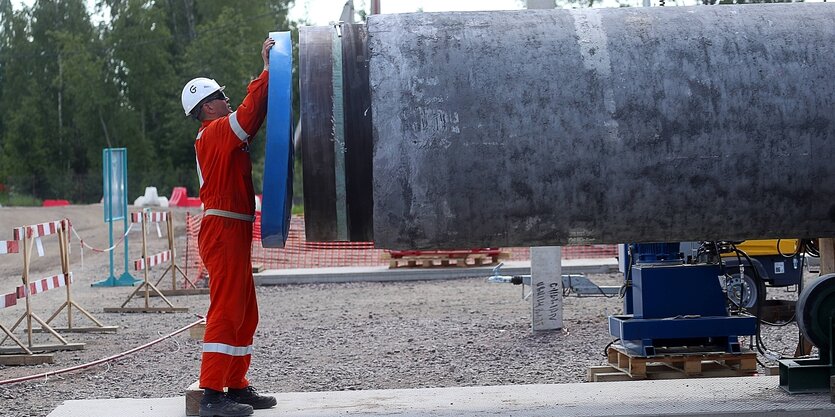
277,199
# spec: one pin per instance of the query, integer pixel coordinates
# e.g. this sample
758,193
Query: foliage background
71,86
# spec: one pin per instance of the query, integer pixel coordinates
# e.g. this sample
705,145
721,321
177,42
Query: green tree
38,138
143,63
87,121
6,24
69,88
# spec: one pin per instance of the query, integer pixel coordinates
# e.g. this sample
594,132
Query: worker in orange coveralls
225,171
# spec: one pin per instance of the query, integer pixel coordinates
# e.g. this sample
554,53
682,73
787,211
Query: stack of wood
679,363
445,258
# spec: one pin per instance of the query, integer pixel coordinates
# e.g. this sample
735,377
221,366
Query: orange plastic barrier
180,198
299,253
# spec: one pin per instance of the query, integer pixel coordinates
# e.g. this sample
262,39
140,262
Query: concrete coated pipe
336,132
555,127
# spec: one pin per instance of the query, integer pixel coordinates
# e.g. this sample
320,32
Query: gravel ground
321,337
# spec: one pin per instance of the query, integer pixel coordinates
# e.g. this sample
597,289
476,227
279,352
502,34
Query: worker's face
218,106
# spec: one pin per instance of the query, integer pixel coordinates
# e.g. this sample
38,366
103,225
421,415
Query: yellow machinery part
767,247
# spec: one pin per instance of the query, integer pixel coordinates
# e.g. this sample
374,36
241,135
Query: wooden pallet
90,329
444,260
145,309
197,332
193,396
26,359
16,350
623,366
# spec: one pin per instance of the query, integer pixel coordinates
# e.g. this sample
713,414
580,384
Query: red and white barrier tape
153,216
153,260
38,230
8,300
9,246
45,284
84,244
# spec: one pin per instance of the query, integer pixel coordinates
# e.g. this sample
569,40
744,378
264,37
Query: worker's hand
265,52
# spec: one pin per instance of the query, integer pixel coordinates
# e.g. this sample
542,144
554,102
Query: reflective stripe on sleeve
236,127
227,349
199,173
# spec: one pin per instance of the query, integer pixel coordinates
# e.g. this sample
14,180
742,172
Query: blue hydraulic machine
671,302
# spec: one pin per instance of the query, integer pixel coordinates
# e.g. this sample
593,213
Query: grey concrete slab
739,397
662,124
384,273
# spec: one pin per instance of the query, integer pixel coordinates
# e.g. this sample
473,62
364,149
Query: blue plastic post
119,195
278,165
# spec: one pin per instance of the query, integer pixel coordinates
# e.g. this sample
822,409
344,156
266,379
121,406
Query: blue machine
672,304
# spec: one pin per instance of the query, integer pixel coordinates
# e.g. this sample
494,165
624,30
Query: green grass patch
19,200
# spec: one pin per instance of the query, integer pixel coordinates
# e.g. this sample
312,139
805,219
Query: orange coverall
225,171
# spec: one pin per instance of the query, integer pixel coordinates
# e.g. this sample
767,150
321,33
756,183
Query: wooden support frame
189,287
20,355
29,234
64,238
27,357
147,287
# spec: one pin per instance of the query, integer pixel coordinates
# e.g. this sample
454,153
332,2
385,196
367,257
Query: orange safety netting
299,253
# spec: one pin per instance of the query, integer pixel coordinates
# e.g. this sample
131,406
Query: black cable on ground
783,324
606,349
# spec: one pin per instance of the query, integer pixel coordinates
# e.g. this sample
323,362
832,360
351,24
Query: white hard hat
196,90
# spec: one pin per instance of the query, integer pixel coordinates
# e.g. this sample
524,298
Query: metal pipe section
559,127
336,132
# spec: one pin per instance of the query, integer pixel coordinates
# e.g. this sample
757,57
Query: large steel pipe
603,125
572,126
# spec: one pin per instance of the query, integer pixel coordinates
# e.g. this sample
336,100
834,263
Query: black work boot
249,396
217,404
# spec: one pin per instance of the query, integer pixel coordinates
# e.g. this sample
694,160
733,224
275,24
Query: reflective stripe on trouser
225,246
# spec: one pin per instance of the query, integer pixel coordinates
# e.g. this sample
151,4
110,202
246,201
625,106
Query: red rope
100,361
